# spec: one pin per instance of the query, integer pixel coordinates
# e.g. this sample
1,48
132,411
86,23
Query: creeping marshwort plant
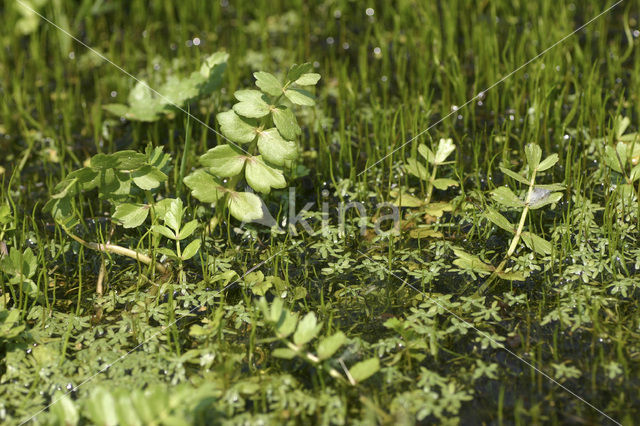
143,144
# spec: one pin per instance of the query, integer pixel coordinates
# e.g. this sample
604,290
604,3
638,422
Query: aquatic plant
261,130
536,197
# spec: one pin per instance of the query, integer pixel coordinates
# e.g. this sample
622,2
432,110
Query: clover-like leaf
308,79
426,153
416,168
329,345
268,83
296,71
204,186
364,369
300,97
245,206
262,177
284,353
253,104
224,160
236,128
445,148
286,324
275,149
506,197
308,328
148,178
286,122
131,215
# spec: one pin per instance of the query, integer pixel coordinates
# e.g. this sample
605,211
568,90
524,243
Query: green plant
264,123
429,177
537,196
624,156
297,333
127,181
145,104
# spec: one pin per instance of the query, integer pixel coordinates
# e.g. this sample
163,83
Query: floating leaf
224,160
437,209
406,200
364,369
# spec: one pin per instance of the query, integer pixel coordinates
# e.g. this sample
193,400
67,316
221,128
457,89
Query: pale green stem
430,184
123,251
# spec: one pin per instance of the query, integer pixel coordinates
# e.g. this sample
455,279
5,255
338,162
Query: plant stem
430,184
516,237
123,251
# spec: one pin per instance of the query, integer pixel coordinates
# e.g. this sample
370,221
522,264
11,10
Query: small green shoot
537,196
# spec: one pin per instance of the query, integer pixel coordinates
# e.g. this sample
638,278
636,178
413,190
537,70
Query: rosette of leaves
124,179
145,104
426,169
261,131
536,197
297,334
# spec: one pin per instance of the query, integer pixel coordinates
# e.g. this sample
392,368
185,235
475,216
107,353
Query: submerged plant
427,173
537,196
262,130
145,104
297,333
624,156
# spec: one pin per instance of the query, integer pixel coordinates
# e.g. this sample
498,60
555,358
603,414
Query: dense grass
386,77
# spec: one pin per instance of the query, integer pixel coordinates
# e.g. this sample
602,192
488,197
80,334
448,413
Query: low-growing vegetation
319,213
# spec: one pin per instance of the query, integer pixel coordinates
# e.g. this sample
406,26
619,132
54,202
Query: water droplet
377,51
72,55
196,41
370,11
330,40
337,14
345,45
114,93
